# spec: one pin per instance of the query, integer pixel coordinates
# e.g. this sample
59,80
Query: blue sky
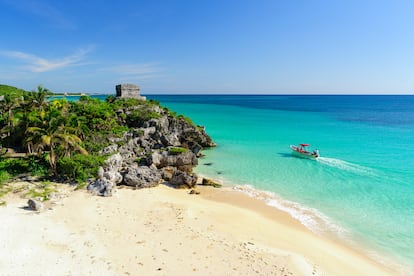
209,46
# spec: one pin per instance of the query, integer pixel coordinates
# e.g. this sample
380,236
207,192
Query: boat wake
346,166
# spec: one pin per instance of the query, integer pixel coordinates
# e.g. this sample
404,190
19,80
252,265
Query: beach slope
164,231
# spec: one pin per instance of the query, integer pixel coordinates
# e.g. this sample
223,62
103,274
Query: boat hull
303,154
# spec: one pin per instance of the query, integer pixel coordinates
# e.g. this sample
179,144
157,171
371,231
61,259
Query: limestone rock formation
162,148
102,187
142,177
182,179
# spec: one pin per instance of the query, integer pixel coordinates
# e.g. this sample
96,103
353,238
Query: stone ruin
129,91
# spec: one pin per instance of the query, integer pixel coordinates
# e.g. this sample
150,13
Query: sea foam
309,217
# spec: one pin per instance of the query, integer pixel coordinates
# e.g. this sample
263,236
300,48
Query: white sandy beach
163,231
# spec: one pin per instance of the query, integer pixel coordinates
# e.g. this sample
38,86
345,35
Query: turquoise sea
360,190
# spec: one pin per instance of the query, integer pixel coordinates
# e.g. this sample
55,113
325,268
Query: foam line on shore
311,218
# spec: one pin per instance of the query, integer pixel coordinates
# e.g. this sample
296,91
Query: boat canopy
304,145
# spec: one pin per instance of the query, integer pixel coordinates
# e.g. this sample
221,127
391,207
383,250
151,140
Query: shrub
38,166
4,177
79,167
138,116
14,166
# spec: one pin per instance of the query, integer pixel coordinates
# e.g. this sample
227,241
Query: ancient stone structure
128,91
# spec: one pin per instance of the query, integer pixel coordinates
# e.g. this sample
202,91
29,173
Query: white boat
301,151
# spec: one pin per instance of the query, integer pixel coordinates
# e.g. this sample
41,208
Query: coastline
168,231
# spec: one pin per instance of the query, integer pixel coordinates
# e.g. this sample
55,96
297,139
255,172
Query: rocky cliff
157,148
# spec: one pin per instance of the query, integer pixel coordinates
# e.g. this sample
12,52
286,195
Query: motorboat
302,151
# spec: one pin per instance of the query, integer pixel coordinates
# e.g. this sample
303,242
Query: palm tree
79,125
56,140
37,99
52,135
7,105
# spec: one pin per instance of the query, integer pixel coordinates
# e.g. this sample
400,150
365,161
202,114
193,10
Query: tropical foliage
62,138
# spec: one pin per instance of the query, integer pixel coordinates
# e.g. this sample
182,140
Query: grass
4,177
42,191
177,150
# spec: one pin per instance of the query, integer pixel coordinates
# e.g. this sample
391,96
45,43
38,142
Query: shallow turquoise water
362,187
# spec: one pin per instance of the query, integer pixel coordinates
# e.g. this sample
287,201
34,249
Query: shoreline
261,206
164,230
313,221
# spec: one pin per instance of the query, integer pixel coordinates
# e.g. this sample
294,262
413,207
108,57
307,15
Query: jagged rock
113,163
174,131
182,179
183,161
102,187
167,172
144,159
190,135
110,149
34,205
113,176
149,131
156,158
142,177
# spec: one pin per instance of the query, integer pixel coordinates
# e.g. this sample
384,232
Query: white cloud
38,64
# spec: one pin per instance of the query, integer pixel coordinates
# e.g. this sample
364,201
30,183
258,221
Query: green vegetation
188,120
10,90
177,150
4,177
61,138
42,191
80,167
